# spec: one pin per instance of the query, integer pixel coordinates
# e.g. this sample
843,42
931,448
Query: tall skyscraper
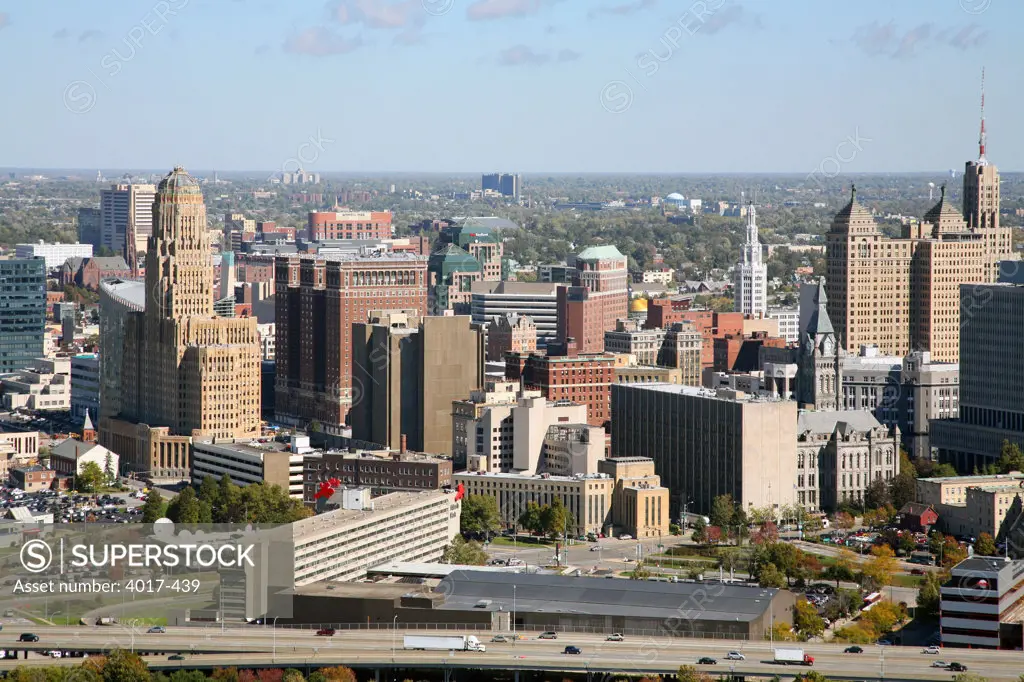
121,205
182,368
598,298
507,184
751,278
317,301
89,222
981,188
22,312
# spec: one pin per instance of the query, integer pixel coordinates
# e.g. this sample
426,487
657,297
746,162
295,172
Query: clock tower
820,371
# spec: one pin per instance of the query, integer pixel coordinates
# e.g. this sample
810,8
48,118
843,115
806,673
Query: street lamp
273,653
394,630
514,636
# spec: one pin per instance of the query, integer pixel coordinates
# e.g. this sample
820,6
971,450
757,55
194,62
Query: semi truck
443,643
793,657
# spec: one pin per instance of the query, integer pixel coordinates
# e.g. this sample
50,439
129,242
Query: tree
782,632
90,477
929,595
806,619
293,675
985,546
1010,458
675,529
844,521
185,507
462,552
713,534
882,566
209,492
109,473
771,576
124,666
884,616
843,568
812,676
953,552
154,507
903,486
224,674
688,673
187,676
970,677
877,494
228,499
700,531
556,519
767,534
860,632
337,674
722,511
530,518
785,557
480,514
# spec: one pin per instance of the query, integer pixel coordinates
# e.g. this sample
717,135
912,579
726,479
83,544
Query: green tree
877,494
556,519
972,677
675,529
227,507
722,510
462,552
480,514
1010,458
530,518
293,675
929,596
90,477
771,576
154,507
184,508
188,676
700,531
785,557
812,676
903,486
109,473
985,546
124,666
209,491
860,632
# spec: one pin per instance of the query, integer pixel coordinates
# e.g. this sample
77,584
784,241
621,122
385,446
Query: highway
383,649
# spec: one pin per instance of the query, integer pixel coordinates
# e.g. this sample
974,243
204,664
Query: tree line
221,501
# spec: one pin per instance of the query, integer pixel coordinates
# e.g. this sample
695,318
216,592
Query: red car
326,632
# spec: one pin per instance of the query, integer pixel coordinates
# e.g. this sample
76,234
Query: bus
871,600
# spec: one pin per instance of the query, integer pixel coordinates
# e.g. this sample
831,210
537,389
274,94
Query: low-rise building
982,604
17,449
510,333
641,374
31,479
53,254
85,385
70,455
630,338
640,504
45,385
683,348
970,505
588,498
248,461
382,471
788,320
340,545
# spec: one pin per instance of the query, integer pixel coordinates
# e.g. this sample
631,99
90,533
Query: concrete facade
251,461
970,505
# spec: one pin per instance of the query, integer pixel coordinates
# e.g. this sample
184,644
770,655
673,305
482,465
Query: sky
531,86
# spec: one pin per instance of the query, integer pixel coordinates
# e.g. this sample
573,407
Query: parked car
735,656
706,660
617,637
957,667
157,630
853,650
28,637
572,650
325,632
548,635
931,650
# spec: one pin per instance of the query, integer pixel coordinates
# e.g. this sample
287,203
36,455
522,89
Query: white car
940,664
931,650
625,537
735,656
595,548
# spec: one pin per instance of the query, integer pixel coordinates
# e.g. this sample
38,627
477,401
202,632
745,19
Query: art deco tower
751,278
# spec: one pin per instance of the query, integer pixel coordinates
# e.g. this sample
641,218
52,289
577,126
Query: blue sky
516,85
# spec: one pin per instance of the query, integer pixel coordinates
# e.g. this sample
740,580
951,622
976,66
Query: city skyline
605,86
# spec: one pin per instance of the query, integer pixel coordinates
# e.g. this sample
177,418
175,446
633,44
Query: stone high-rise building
184,373
820,369
751,277
318,299
903,294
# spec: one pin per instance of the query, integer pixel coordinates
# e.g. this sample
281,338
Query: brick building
597,299
579,378
349,225
510,332
662,312
384,471
317,301
89,272
740,353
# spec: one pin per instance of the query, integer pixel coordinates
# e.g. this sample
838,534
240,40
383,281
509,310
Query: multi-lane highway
383,648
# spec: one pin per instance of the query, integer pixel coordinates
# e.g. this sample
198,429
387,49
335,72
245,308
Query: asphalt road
285,646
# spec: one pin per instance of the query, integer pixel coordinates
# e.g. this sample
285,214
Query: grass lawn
900,580
523,540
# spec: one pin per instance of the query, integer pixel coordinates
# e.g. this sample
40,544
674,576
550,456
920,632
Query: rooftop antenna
981,137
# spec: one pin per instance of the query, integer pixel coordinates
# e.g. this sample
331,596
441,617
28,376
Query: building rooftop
827,421
978,480
535,477
554,594
436,570
983,564
515,288
385,503
723,394
599,253
130,292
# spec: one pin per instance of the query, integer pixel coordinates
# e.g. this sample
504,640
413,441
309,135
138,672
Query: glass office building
22,312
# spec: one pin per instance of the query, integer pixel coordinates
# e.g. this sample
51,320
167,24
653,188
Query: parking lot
76,508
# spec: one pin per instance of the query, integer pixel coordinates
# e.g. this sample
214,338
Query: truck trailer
443,643
793,657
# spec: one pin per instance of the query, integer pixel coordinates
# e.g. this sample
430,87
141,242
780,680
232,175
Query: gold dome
638,305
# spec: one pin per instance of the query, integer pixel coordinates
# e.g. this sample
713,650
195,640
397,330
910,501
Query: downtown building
23,314
325,225
53,254
902,294
573,377
597,299
981,604
750,285
182,372
318,299
537,300
126,209
991,378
